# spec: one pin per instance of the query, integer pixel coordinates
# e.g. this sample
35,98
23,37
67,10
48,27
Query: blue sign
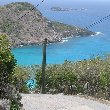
31,83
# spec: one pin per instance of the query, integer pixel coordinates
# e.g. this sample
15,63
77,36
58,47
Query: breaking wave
64,40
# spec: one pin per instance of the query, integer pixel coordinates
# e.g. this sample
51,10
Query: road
60,102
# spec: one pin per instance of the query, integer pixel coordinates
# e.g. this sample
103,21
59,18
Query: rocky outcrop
25,25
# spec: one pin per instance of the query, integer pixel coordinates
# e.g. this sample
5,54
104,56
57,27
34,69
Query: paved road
60,102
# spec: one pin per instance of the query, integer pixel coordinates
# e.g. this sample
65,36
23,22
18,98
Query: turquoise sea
73,49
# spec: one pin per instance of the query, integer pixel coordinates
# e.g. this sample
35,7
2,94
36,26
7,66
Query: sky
51,1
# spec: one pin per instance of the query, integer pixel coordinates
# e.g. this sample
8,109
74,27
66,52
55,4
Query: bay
72,49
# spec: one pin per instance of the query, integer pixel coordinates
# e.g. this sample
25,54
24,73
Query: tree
7,65
7,61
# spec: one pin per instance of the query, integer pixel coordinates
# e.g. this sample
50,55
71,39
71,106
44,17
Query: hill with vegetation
25,25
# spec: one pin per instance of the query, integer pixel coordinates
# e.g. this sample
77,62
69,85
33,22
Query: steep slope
26,26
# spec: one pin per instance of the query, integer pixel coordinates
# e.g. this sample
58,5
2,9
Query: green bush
7,65
59,77
7,61
94,71
21,74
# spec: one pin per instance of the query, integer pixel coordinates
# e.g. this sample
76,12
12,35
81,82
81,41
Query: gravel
60,102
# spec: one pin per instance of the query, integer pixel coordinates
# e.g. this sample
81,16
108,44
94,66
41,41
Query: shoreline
60,39
34,27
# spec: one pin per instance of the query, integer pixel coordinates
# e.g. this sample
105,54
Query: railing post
43,67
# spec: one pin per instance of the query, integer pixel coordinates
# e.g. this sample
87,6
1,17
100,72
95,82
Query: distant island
60,9
65,9
25,26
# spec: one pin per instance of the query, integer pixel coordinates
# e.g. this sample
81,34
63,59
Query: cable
32,9
88,27
98,22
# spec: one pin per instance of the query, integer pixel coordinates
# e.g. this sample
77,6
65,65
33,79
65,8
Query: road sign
31,83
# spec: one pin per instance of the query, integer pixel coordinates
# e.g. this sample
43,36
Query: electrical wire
32,9
87,27
98,22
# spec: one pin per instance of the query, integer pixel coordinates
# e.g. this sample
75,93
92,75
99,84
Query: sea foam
64,40
97,33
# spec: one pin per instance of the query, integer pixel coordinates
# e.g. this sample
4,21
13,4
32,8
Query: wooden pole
43,67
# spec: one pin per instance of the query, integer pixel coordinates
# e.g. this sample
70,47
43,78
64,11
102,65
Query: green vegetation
25,25
8,26
62,27
58,79
21,6
87,77
96,72
7,61
7,65
20,76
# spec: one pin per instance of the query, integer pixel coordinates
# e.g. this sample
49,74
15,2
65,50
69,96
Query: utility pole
43,67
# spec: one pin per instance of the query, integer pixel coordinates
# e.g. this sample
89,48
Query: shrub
95,72
7,65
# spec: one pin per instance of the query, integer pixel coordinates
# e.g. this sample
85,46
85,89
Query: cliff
25,26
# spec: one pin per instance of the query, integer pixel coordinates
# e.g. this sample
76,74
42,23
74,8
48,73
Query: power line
88,27
32,9
98,22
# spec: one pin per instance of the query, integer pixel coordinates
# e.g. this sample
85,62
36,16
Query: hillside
32,28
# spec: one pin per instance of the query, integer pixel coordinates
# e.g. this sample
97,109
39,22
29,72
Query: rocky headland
25,25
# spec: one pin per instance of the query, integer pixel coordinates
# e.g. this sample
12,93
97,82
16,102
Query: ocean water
72,49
